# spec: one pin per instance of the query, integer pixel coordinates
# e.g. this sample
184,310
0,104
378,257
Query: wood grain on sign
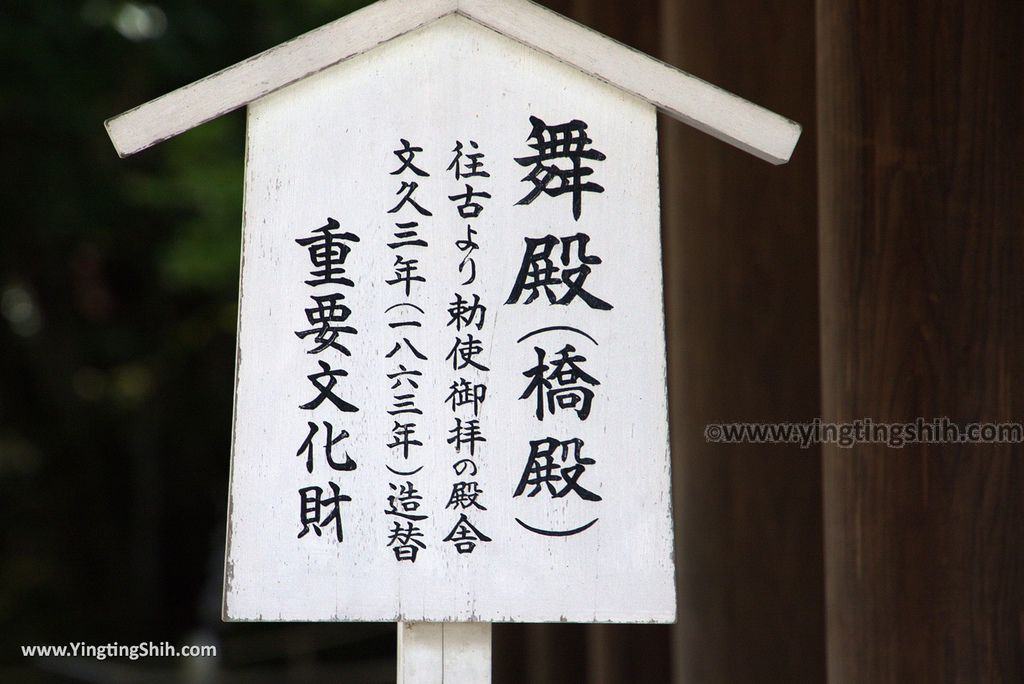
324,149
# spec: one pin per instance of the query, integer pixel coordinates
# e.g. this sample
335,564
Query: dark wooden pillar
922,298
741,254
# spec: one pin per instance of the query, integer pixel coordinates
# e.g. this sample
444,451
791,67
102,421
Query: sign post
430,652
451,389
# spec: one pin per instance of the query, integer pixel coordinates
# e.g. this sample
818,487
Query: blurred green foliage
118,291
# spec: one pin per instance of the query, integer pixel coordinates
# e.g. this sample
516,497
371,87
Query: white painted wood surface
680,95
323,148
439,653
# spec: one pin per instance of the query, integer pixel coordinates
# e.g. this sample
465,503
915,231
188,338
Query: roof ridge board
700,104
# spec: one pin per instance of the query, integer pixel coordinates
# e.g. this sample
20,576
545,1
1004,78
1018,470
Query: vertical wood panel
922,292
741,295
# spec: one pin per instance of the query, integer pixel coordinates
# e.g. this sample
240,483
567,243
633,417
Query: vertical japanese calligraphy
328,249
553,269
406,538
558,268
468,391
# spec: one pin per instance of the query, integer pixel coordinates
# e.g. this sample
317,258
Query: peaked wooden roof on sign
678,94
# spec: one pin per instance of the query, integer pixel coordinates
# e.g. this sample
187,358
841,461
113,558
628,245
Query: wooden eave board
706,107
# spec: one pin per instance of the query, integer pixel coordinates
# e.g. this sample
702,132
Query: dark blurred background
118,291
877,275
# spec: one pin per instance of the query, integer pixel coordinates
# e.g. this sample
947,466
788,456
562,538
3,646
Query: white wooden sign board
323,151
